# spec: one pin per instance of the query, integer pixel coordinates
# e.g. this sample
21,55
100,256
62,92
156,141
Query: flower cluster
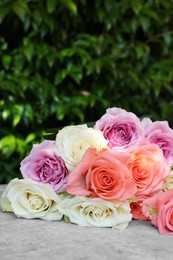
99,176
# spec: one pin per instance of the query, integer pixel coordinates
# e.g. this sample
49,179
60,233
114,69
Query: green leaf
4,46
167,38
145,23
60,76
76,75
30,138
20,146
16,119
68,52
136,6
6,61
51,5
4,10
8,145
61,110
139,51
29,51
51,60
5,114
20,9
50,134
134,24
71,6
17,114
28,114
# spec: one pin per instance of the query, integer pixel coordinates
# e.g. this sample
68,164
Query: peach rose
160,210
104,174
148,168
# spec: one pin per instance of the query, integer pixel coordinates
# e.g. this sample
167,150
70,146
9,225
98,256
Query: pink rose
104,174
43,165
121,128
160,210
160,133
148,168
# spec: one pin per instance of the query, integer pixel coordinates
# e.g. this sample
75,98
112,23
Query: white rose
73,141
30,199
97,212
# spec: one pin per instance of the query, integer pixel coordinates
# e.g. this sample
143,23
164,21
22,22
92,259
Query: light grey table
39,240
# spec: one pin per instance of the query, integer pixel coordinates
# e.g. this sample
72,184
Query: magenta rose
43,165
161,134
121,128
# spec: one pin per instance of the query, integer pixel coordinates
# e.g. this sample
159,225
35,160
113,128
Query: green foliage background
65,61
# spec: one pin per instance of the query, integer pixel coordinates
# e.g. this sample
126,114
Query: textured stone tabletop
39,239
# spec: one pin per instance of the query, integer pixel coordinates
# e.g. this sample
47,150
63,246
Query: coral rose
148,168
104,174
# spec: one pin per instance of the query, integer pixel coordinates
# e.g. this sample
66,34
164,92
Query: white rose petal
30,199
73,141
97,212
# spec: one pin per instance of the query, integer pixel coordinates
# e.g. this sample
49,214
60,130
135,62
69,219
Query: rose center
35,202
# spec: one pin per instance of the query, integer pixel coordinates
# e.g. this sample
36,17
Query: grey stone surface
39,239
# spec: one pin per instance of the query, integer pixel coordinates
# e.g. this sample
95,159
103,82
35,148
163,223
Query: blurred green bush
65,61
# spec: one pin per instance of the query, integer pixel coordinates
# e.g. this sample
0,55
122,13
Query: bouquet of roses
102,176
